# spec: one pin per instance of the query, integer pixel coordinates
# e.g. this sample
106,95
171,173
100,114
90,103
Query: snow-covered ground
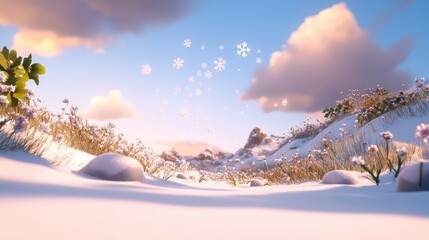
38,201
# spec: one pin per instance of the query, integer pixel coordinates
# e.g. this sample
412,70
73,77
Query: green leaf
4,63
38,68
27,61
5,52
16,62
13,55
35,77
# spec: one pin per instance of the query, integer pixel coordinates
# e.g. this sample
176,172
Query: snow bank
114,167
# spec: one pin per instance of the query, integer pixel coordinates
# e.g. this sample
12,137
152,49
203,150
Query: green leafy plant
18,71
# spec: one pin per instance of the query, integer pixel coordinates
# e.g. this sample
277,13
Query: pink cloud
91,23
329,53
112,107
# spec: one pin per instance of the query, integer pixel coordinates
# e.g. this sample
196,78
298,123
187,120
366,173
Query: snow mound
341,177
114,167
257,183
408,179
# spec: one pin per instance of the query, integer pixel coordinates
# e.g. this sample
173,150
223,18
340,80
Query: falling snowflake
219,64
198,92
276,105
187,43
191,79
203,65
221,47
199,73
208,74
258,60
178,63
284,102
177,90
203,47
146,69
185,113
242,49
258,51
237,91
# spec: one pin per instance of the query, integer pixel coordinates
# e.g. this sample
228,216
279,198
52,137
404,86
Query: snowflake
199,73
258,60
146,69
219,64
242,49
237,91
185,113
221,47
198,92
203,47
177,90
208,74
276,105
284,102
191,79
178,63
203,65
187,43
258,51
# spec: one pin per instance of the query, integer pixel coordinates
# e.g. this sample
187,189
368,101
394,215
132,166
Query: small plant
387,136
15,72
374,170
402,154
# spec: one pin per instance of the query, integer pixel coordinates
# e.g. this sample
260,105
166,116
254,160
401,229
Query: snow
39,201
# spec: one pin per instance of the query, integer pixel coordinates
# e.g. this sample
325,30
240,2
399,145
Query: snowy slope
38,201
403,129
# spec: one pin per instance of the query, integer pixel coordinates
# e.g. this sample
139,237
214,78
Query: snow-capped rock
182,176
114,167
257,183
409,177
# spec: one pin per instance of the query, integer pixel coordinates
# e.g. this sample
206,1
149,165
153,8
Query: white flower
3,77
422,132
3,100
373,148
45,128
386,135
358,161
402,152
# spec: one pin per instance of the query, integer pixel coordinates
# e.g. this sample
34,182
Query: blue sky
86,67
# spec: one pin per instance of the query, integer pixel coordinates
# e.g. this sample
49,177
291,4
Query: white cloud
112,107
327,54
